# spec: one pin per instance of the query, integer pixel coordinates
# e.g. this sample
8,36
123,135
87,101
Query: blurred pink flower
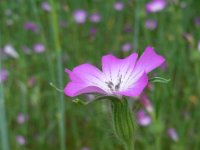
46,6
3,75
39,48
93,32
31,26
118,77
31,81
144,100
151,24
20,139
80,16
142,118
126,47
21,118
95,17
10,51
155,6
172,134
118,6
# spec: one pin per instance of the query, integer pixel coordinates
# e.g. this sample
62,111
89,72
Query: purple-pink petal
85,79
73,89
136,88
111,65
149,60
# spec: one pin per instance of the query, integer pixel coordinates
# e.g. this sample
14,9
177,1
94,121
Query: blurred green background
38,39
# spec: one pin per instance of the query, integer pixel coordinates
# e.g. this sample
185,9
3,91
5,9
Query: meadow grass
53,120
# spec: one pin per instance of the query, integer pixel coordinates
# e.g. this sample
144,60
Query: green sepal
159,80
123,122
85,102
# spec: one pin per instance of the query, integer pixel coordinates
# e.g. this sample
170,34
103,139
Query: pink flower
3,75
80,16
20,139
155,6
126,47
21,118
31,81
45,6
172,134
118,77
93,32
142,118
31,26
39,48
151,24
118,6
95,17
146,102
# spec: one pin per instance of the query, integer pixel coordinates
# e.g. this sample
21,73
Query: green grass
54,121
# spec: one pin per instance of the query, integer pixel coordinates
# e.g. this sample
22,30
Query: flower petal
85,78
149,60
86,73
136,88
114,67
73,89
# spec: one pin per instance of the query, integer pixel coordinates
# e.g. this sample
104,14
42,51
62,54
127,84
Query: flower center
114,87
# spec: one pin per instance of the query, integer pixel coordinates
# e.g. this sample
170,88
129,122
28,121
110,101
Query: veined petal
85,78
73,89
136,88
87,74
115,68
149,60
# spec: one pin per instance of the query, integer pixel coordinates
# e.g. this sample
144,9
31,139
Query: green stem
61,106
130,146
123,122
158,131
